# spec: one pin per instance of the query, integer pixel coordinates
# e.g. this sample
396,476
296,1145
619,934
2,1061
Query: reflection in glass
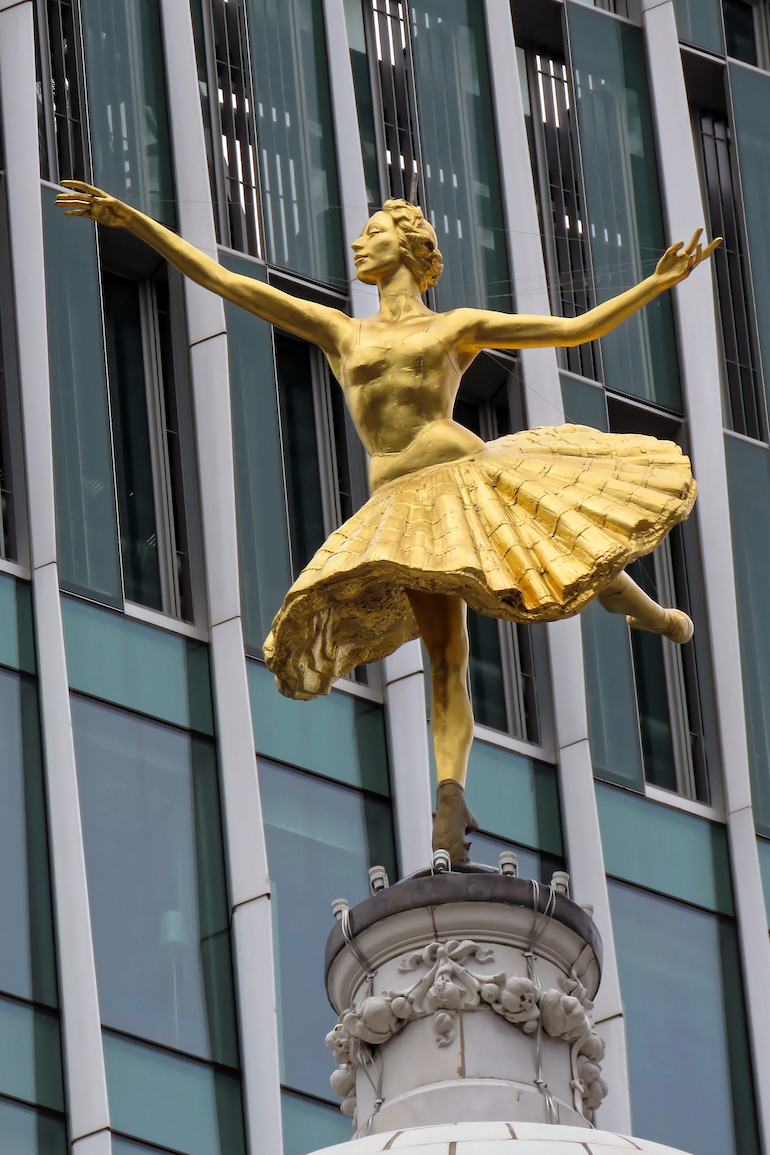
461,176
127,104
310,1126
680,980
156,881
179,1104
86,516
699,22
25,1131
359,62
27,967
739,30
321,840
651,690
623,199
263,533
487,850
131,441
300,196
30,1055
300,449
748,478
485,672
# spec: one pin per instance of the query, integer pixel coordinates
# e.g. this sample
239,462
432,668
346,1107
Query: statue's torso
400,380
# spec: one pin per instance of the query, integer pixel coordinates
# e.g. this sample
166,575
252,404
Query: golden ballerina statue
528,528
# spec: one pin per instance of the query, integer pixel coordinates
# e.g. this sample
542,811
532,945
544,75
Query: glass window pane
295,137
486,674
263,535
487,850
300,449
30,1055
135,665
86,515
680,981
17,642
310,1126
623,199
339,736
764,865
462,181
156,881
699,22
665,849
354,20
27,967
127,108
748,476
584,404
739,30
321,841
24,1131
751,120
179,1104
131,440
514,797
651,690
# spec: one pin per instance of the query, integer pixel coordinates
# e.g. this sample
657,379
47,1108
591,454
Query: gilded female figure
527,528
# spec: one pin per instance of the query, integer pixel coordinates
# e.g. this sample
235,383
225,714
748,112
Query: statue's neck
400,296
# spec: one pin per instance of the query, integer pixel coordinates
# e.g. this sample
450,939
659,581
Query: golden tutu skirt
528,529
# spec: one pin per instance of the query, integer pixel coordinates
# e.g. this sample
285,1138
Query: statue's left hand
87,201
678,262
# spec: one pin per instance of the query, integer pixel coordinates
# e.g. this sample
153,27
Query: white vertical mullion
580,818
404,676
246,850
79,1003
700,370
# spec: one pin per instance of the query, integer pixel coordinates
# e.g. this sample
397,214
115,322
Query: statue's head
397,235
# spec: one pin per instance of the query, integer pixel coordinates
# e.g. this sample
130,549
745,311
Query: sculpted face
377,250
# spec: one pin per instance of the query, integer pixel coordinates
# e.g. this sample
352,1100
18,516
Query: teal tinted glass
263,531
487,851
300,448
462,180
321,840
613,727
30,1055
128,116
156,881
748,477
17,642
751,122
665,849
300,196
354,21
623,200
764,865
27,966
514,797
699,22
680,981
86,514
178,1104
584,404
310,1126
131,441
340,736
486,673
132,664
24,1131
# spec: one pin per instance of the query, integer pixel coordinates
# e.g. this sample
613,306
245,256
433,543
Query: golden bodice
400,380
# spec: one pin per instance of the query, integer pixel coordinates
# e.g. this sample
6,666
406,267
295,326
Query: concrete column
404,676
79,1004
246,851
700,372
580,817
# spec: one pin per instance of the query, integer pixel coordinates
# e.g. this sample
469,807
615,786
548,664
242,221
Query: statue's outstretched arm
317,323
486,330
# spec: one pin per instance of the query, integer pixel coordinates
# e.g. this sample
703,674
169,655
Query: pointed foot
678,626
453,821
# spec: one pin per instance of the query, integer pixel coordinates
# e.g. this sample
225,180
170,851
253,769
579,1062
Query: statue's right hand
87,201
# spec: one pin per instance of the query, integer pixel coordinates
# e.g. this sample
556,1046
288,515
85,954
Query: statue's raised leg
624,596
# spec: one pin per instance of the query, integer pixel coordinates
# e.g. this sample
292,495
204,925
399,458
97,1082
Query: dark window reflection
739,30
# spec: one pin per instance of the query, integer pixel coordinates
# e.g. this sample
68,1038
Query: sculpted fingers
691,248
710,248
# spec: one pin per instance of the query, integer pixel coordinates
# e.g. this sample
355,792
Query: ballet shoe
453,821
679,627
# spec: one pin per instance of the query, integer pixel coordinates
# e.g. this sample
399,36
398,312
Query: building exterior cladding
169,463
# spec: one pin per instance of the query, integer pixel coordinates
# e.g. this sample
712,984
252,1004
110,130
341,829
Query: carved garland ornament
448,987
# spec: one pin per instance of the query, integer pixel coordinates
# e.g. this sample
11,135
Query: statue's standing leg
624,596
442,622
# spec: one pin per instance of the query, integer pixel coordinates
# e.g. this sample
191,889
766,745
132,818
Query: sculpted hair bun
419,243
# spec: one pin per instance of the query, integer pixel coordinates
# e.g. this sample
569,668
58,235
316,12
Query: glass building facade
172,830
